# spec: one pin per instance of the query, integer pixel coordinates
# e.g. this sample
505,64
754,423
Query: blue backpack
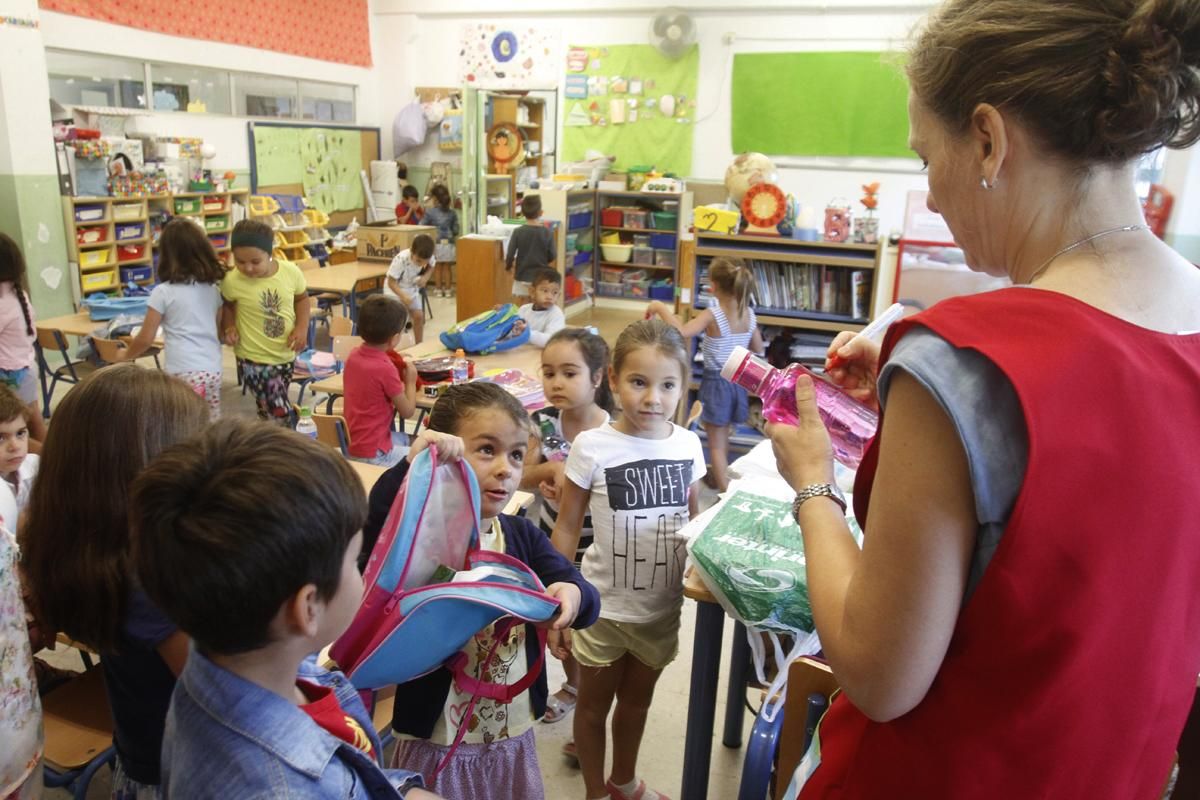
489,332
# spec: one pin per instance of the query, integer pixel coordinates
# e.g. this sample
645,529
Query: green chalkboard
820,104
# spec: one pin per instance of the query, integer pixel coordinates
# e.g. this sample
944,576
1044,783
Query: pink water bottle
850,424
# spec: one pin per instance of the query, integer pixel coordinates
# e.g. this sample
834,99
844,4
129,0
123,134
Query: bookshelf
112,240
652,224
574,242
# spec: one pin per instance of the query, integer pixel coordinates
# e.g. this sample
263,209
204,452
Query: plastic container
850,424
665,220
136,274
617,253
130,230
95,258
212,204
607,289
612,237
305,425
643,255
664,258
631,275
187,205
219,240
582,257
572,241
613,217
131,252
662,290
123,212
662,241
461,372
217,223
637,289
90,213
93,235
641,240
585,242
98,281
581,219
610,275
637,218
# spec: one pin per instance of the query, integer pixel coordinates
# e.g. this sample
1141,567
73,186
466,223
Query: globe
747,170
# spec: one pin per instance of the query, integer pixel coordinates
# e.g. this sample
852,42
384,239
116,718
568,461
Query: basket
137,274
124,212
262,205
133,230
95,258
316,217
617,253
212,204
216,223
98,281
187,205
612,237
97,235
89,213
131,252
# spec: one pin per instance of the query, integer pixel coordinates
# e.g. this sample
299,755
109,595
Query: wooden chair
109,350
342,345
79,730
333,431
150,352
341,326
54,340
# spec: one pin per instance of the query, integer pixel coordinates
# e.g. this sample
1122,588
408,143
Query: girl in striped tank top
575,380
728,322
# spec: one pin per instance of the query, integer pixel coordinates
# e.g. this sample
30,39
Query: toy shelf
650,204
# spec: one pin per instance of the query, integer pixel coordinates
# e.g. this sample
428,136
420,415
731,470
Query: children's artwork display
631,102
324,161
496,56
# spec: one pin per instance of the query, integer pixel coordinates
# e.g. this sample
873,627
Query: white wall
419,43
226,133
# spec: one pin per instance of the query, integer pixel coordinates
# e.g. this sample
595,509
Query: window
264,96
82,79
183,88
326,102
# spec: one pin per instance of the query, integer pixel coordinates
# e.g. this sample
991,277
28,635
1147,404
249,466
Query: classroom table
526,358
345,280
78,324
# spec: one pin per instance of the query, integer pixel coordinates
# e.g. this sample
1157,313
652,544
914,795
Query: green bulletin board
324,161
819,104
637,76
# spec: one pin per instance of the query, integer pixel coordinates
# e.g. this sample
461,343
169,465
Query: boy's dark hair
187,255
11,406
421,246
401,170
531,206
546,275
253,233
228,526
380,317
440,195
595,354
12,268
462,400
410,191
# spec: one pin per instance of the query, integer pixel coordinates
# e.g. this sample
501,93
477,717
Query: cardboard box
382,241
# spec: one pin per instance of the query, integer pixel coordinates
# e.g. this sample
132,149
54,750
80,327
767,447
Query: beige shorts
655,643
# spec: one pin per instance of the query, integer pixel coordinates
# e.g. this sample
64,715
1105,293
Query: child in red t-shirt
377,386
409,210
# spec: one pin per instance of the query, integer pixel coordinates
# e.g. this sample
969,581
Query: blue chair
78,726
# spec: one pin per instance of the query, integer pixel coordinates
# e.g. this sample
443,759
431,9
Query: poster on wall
632,102
496,56
324,161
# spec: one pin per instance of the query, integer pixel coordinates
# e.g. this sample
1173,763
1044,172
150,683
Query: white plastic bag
408,129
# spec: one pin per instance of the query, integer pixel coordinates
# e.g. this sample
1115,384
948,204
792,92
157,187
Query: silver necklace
1083,241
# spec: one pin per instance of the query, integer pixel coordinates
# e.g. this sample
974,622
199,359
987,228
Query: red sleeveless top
1073,665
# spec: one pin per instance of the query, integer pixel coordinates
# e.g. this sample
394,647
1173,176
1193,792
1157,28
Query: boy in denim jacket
247,537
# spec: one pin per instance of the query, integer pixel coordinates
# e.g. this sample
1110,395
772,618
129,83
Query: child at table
406,277
443,216
542,314
18,467
187,304
530,248
485,425
375,389
409,210
253,714
18,363
77,552
637,476
265,318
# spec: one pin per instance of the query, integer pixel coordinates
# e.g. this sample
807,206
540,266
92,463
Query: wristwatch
817,490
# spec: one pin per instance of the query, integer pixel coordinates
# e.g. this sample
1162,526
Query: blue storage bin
581,220
130,230
662,241
101,307
662,290
139,273
582,258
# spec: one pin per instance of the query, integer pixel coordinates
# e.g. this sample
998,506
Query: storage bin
637,218
139,273
216,223
572,241
664,241
610,275
611,289
664,258
91,235
130,230
582,258
633,275
131,252
98,281
95,258
613,217
187,205
123,212
638,289
617,253
585,241
612,237
219,240
662,290
643,255
665,220
261,205
214,204
89,213
641,240
581,219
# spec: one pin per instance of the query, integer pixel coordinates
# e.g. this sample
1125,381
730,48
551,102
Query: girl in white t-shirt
187,304
638,479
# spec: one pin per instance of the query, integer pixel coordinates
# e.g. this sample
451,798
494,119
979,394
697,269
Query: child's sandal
640,793
556,709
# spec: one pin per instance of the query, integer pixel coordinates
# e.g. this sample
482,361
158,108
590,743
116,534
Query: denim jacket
227,737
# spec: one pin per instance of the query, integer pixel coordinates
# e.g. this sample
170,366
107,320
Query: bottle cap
734,362
459,353
305,411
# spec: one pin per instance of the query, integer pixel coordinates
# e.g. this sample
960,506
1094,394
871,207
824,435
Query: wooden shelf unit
148,211
680,204
504,189
575,213
513,108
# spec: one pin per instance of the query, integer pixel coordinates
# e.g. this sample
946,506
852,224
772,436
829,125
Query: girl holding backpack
485,425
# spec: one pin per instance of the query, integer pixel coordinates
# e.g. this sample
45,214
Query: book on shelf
809,287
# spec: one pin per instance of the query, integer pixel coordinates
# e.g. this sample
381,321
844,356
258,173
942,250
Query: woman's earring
984,183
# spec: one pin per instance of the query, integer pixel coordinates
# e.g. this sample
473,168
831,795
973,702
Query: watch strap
817,490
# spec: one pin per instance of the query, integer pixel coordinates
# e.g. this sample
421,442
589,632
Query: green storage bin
665,220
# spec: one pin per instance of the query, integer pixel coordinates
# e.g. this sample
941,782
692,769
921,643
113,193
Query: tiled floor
661,759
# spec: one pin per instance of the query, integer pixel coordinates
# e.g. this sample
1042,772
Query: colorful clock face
764,205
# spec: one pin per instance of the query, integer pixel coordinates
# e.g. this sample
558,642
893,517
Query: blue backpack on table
489,332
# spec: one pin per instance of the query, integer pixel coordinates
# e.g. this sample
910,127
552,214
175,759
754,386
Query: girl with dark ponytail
18,369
